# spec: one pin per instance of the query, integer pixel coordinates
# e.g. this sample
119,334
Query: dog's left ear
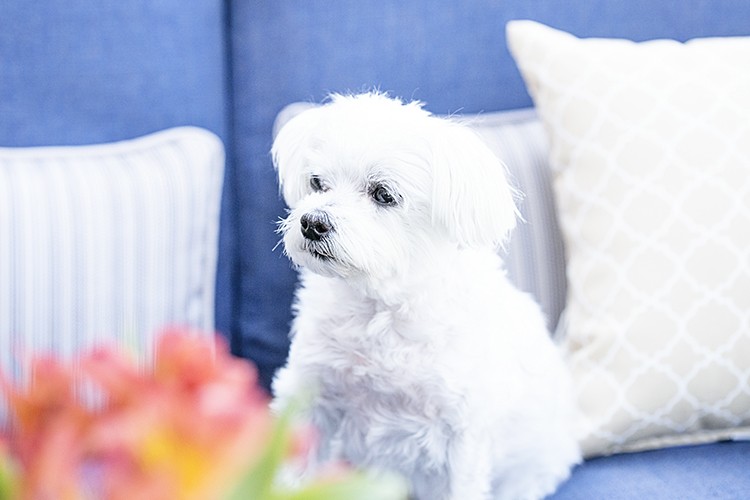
289,153
471,195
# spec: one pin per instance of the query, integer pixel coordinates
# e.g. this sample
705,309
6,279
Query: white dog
424,359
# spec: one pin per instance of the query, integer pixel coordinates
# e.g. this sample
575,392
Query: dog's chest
386,393
385,397
379,352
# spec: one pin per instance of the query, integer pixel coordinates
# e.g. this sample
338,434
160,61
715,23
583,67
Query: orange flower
192,426
49,426
181,430
184,429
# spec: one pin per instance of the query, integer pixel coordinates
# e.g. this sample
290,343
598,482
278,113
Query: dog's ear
471,195
289,153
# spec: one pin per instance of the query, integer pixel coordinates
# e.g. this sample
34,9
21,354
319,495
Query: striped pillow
107,243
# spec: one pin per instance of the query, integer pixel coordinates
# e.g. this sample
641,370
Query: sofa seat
717,470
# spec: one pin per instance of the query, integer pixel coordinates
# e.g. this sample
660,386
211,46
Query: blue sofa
80,72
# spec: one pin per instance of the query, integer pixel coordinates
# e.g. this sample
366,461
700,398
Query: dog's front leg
294,393
465,473
287,388
470,467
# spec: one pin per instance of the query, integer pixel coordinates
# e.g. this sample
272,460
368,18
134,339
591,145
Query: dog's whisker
282,225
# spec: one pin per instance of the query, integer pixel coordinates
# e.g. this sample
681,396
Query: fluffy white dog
424,359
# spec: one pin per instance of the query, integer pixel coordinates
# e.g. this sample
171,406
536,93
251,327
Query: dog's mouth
319,255
319,252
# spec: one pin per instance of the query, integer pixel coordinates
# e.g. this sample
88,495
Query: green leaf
356,486
258,481
8,480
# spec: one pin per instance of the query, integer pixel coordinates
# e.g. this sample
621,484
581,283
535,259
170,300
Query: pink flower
193,425
49,427
182,429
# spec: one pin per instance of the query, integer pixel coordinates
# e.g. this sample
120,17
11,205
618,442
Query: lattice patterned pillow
651,147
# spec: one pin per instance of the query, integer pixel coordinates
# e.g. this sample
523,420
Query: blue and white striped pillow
107,243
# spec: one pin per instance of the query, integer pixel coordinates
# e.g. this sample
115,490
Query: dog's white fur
424,359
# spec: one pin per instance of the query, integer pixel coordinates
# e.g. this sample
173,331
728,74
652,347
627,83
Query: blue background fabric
710,471
76,72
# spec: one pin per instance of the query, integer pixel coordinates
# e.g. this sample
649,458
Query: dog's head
376,185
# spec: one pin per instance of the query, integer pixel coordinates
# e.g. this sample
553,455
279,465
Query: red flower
193,424
182,429
49,427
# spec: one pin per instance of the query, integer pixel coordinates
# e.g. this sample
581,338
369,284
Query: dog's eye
316,184
382,196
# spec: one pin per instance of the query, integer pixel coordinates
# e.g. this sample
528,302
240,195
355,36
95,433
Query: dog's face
375,186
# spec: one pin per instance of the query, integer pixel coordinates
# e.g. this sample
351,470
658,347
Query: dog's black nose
315,225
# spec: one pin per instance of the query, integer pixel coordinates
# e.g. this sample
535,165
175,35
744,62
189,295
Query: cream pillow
650,143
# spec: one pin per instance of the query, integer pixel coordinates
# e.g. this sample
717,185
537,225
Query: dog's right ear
289,152
472,198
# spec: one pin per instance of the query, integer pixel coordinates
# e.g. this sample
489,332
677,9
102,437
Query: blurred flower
184,429
49,427
194,425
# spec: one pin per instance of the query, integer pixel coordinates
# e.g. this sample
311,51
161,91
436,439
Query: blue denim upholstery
711,471
80,71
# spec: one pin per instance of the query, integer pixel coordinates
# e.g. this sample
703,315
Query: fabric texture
715,471
107,243
651,147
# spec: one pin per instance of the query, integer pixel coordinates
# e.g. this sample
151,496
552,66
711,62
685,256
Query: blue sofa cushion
718,470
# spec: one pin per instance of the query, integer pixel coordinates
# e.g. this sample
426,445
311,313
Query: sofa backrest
79,72
74,72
